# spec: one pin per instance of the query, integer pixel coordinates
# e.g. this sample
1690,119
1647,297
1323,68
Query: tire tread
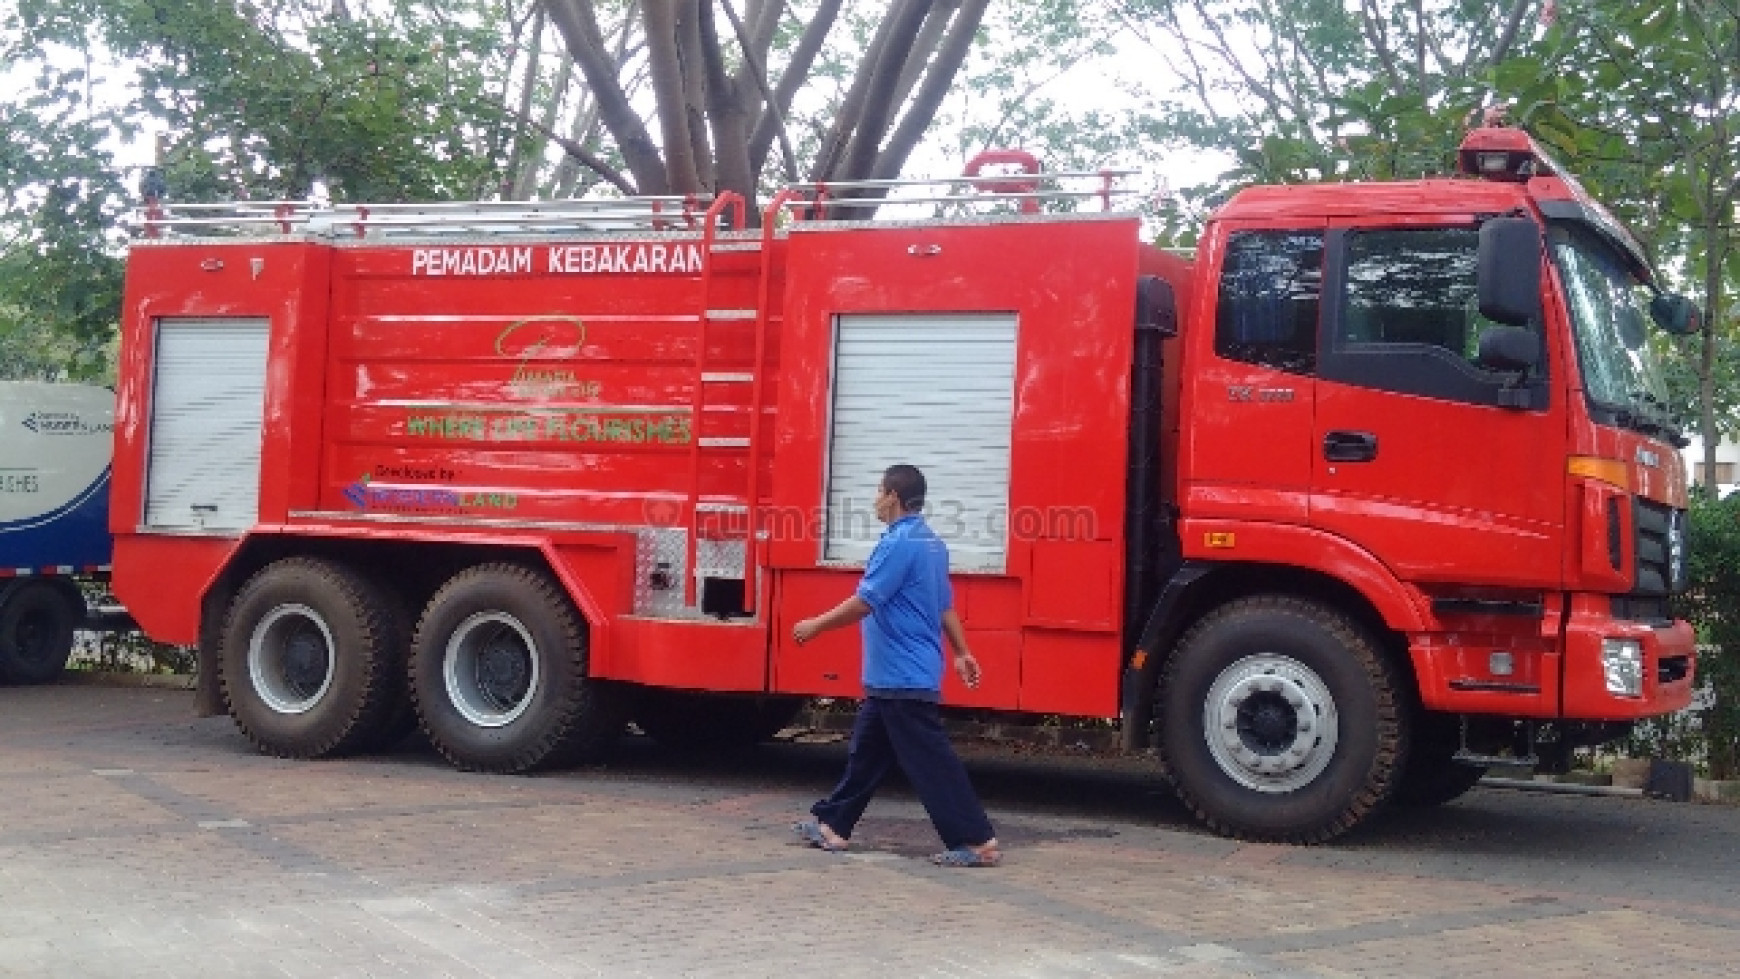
1391,733
373,611
587,724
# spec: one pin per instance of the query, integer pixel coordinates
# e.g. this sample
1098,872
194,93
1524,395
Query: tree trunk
695,97
1715,258
666,63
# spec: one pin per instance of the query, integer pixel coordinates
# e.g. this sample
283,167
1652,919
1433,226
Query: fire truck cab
1324,515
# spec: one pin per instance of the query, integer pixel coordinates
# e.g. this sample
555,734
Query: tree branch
797,71
752,67
952,53
581,154
1512,24
573,18
905,23
1380,42
851,108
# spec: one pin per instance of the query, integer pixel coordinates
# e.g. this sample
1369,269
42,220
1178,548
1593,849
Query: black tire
691,721
1273,669
1429,777
312,659
37,623
517,697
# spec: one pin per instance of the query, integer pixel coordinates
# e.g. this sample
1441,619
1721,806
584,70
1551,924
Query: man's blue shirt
906,585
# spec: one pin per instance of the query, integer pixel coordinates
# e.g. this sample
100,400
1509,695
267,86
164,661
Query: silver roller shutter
207,405
936,391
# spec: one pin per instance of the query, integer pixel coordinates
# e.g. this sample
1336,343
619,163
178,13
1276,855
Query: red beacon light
1501,153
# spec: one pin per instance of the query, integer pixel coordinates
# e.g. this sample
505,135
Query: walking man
906,606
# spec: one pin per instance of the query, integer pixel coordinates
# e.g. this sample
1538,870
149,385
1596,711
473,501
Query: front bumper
1669,659
1554,674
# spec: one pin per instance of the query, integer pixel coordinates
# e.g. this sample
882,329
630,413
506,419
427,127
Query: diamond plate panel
719,558
659,554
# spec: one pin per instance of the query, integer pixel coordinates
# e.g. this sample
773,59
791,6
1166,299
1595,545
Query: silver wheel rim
290,659
1270,723
491,669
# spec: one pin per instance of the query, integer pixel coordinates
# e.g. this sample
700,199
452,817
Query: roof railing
492,218
1027,189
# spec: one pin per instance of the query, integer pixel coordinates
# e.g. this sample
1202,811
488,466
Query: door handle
1350,447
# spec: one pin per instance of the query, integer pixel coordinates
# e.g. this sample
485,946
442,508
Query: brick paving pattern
138,841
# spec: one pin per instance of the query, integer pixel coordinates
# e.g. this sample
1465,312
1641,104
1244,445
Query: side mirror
1676,314
1509,271
1508,348
1156,306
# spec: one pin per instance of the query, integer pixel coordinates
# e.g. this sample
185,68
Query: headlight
1622,664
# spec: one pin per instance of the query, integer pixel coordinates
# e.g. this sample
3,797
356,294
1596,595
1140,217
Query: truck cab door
1446,470
1245,451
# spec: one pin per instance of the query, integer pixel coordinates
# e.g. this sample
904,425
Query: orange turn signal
1610,471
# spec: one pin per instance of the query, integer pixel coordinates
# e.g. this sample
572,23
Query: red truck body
613,408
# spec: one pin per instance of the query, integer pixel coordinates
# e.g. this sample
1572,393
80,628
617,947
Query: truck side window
1404,315
1413,286
1271,283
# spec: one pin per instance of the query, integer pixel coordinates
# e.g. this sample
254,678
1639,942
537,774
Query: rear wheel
690,720
311,652
1280,721
499,674
37,624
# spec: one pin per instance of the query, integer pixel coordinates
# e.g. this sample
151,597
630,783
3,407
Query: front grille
1660,548
1650,609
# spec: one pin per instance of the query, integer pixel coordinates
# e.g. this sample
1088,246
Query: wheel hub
290,659
1270,723
490,669
502,669
305,661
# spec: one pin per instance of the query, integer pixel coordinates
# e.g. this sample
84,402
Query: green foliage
1708,733
396,104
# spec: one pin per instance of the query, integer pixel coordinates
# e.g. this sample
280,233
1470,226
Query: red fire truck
1376,489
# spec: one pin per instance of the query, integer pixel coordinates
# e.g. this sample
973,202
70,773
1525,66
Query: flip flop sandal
966,856
810,832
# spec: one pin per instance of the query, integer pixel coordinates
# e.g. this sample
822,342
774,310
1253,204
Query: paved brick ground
137,841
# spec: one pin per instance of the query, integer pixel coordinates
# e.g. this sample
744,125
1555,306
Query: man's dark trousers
908,733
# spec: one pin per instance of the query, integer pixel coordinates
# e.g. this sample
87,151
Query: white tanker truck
55,444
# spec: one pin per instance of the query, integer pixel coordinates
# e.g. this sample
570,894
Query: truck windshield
1609,308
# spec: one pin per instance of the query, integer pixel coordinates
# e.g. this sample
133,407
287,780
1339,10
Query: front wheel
1280,721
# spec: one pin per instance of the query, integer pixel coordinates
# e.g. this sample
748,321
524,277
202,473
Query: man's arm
965,664
844,614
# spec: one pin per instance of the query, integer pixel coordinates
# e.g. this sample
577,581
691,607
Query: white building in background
1727,464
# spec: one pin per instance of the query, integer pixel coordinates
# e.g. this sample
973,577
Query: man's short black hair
907,485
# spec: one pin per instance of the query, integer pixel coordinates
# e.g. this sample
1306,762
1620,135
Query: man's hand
806,630
844,614
967,668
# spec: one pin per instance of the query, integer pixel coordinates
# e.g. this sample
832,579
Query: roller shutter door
936,391
207,405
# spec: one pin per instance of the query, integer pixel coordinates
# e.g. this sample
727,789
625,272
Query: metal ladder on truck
708,406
